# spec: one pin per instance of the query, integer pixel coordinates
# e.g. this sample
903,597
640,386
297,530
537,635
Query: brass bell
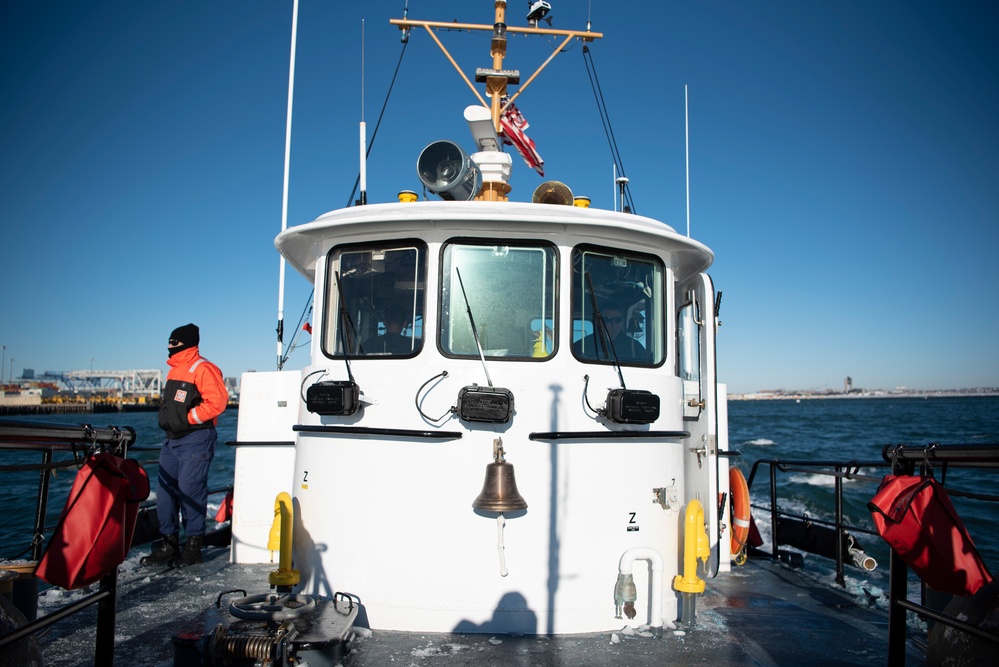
499,490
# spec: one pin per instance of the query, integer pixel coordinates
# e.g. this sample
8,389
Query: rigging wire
591,71
298,332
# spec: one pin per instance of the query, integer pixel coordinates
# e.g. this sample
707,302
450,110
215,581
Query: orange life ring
740,512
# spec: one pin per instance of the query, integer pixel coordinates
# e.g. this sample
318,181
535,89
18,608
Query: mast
497,78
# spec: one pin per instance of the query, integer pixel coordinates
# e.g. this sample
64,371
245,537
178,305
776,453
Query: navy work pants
182,485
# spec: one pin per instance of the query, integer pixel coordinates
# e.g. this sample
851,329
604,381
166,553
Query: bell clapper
500,524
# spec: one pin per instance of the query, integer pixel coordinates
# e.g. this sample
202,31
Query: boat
528,426
508,446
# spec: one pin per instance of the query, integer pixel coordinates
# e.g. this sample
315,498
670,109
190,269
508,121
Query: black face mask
180,348
187,336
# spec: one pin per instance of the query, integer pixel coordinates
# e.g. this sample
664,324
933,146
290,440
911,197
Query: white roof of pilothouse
302,246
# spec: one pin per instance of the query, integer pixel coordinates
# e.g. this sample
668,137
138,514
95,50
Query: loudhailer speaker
552,192
448,172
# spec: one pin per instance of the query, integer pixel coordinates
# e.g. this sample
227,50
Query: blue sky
844,167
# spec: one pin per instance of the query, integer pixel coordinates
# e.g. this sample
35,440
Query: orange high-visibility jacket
194,395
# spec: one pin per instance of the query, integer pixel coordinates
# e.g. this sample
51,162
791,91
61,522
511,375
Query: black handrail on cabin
78,439
900,459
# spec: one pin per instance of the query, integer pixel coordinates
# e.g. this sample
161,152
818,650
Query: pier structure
82,391
131,382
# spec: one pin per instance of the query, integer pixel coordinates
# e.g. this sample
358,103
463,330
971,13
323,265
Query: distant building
847,385
232,386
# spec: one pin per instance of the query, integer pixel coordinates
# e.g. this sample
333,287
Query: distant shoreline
791,396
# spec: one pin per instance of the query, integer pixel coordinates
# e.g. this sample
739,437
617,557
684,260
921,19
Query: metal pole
686,122
773,508
104,649
838,484
897,578
284,197
40,508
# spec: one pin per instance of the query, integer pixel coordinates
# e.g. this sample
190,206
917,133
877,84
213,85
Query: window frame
580,294
330,337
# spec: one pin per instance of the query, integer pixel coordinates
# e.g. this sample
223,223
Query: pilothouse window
617,307
375,301
508,300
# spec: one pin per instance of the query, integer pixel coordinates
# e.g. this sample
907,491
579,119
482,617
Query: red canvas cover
95,531
915,517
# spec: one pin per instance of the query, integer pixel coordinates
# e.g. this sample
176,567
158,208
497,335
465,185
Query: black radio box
632,406
333,397
485,404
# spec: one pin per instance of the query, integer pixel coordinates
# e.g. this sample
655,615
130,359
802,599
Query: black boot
192,551
169,548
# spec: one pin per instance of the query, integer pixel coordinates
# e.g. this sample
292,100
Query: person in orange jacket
193,398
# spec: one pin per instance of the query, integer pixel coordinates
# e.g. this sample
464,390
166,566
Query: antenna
622,183
614,187
284,197
363,132
686,122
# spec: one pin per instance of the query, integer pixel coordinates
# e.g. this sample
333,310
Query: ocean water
857,429
814,430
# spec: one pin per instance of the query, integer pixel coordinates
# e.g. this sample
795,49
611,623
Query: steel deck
762,613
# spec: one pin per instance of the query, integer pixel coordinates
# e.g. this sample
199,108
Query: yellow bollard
695,545
280,539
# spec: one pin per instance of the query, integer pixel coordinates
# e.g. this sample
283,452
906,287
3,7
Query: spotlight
448,172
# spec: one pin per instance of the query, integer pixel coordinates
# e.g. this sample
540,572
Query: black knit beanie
187,335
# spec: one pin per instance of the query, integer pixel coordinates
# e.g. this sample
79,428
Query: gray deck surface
762,613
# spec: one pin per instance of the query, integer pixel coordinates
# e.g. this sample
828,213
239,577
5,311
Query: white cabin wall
268,408
390,519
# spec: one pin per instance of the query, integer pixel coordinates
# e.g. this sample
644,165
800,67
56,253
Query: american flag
513,124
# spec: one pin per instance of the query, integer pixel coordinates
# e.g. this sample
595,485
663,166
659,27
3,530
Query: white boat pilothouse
511,420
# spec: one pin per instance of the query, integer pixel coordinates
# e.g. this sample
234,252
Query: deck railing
899,459
907,460
80,441
838,470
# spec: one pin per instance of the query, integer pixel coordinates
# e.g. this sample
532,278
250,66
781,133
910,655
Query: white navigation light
448,172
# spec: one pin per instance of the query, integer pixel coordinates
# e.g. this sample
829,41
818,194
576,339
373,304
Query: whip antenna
686,132
363,132
284,197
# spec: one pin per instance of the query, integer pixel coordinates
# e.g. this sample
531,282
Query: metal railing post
897,579
106,609
838,485
773,508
